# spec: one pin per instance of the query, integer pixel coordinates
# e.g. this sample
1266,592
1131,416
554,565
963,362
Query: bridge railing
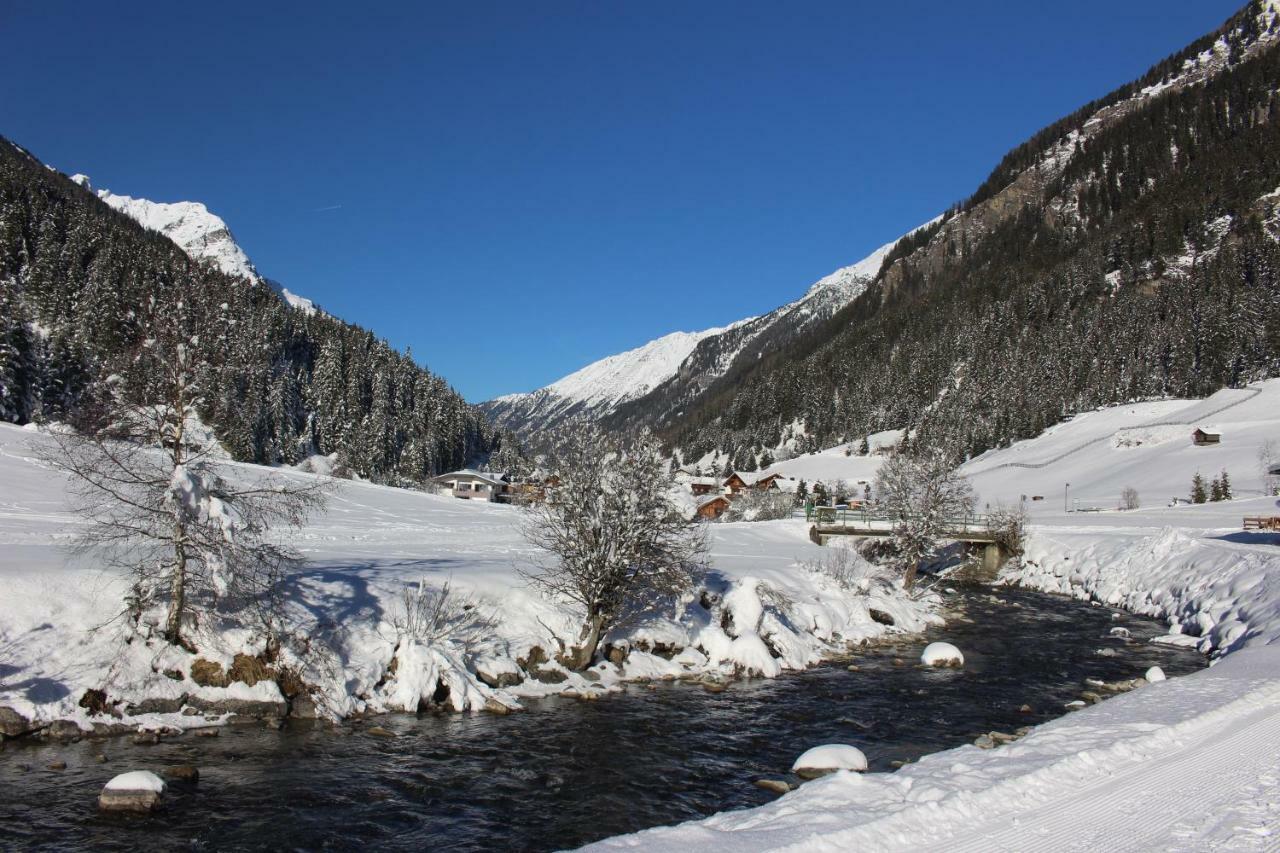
877,519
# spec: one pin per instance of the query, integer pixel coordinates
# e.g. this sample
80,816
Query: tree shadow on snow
1250,537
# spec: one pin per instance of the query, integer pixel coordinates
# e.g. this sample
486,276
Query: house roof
704,481
711,500
487,476
1209,430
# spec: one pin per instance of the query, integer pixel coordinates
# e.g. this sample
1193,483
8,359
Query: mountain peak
198,232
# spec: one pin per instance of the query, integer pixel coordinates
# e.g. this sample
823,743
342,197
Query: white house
474,485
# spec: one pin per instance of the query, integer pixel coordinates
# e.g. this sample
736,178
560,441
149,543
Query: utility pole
1066,489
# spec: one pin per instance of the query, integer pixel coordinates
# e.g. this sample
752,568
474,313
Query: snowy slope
1146,446
360,555
198,232
698,358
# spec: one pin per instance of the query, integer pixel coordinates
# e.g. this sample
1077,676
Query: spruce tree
1198,492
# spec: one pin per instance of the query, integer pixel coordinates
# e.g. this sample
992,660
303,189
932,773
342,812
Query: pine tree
1198,492
1224,487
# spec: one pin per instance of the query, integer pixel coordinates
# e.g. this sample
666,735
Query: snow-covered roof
710,500
704,481
487,476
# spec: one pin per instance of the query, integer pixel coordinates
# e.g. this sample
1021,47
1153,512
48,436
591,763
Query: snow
1180,764
941,654
301,303
629,374
831,756
360,557
136,780
198,232
1154,674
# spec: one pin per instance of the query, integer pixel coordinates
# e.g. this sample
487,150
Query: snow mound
1154,674
941,654
136,780
828,758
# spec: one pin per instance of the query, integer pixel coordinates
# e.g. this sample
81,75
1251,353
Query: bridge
972,528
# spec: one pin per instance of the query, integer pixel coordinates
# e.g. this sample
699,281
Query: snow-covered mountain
198,232
675,365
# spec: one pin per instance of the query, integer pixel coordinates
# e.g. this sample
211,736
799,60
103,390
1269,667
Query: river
568,772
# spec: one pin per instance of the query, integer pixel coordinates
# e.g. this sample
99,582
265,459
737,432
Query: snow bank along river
570,772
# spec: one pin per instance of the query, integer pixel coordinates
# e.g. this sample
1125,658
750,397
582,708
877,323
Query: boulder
13,724
379,731
182,773
207,732
158,705
778,786
138,791
303,707
498,672
252,708
63,730
1153,675
985,742
829,758
880,616
941,654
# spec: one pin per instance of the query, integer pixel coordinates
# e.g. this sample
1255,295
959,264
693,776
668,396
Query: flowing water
569,772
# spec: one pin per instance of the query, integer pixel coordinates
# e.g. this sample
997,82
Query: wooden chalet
713,507
1202,437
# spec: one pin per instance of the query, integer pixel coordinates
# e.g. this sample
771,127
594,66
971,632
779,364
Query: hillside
1127,251
83,277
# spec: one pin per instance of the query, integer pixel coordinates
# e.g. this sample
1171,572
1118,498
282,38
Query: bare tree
760,505
613,536
1129,498
144,476
922,493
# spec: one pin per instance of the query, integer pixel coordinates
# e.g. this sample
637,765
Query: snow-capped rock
198,232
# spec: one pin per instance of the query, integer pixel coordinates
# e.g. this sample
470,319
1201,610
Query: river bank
570,772
68,668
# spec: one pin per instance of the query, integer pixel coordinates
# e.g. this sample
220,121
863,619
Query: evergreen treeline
78,281
1148,266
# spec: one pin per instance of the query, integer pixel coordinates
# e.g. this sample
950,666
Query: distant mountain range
678,365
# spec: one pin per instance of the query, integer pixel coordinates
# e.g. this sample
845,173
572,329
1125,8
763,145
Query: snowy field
371,544
1186,764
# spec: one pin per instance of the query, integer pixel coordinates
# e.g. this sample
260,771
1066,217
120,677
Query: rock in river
138,791
829,758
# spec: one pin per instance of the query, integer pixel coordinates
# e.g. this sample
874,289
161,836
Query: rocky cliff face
199,233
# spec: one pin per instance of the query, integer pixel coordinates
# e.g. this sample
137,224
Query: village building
475,485
713,507
1206,435
704,485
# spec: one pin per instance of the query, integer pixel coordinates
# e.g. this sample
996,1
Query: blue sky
572,178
